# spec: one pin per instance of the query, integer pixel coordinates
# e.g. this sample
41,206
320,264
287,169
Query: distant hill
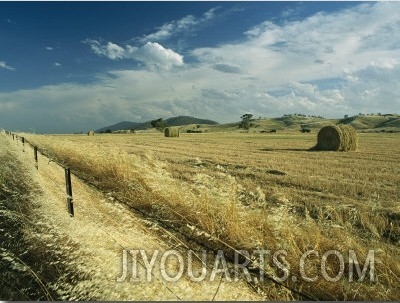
119,126
369,122
173,121
364,123
185,120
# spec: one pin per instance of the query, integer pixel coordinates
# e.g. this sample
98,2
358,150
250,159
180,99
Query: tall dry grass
36,261
215,204
23,276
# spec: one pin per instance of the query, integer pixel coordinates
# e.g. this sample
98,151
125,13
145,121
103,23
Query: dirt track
97,235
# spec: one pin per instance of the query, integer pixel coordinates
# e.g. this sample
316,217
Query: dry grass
35,265
257,192
20,279
82,255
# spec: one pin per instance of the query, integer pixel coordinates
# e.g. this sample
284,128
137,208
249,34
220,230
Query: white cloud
338,48
327,64
57,64
5,66
388,63
109,50
49,48
344,38
153,55
186,24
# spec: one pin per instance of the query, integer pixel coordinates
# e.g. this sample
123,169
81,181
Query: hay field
259,191
47,255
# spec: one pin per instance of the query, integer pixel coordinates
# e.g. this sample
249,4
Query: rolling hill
173,121
380,122
119,126
185,120
364,123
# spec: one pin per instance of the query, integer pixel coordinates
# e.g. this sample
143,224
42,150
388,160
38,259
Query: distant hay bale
171,132
90,133
337,138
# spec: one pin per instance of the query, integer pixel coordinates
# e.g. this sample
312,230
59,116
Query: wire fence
69,197
70,202
67,170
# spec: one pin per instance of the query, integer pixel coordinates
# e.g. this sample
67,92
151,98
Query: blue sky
75,66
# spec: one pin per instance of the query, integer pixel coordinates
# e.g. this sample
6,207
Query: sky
75,66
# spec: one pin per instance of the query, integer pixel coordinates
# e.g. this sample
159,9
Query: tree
246,119
159,124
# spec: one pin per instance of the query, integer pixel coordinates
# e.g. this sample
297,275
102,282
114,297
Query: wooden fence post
36,157
23,144
70,203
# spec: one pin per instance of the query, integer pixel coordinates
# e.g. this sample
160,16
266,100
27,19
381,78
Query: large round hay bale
337,138
171,132
91,133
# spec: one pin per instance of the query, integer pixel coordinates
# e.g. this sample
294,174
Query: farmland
257,191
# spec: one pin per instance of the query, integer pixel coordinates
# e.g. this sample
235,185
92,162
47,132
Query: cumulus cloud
343,38
328,64
323,46
109,50
5,66
153,55
187,24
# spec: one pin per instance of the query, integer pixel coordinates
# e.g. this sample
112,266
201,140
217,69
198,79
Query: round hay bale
90,133
337,138
171,132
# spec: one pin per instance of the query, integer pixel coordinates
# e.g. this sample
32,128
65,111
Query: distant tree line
159,124
302,115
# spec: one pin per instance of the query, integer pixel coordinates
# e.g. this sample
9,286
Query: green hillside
391,123
374,122
364,123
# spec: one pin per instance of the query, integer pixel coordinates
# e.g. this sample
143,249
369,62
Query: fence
68,188
68,183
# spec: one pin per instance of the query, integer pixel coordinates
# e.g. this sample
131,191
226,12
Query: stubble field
248,191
